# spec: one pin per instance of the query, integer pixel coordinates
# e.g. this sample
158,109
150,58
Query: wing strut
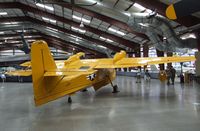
115,87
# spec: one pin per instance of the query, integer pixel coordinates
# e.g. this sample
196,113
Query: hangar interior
101,28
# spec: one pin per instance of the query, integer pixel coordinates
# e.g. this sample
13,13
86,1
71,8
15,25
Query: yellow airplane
55,79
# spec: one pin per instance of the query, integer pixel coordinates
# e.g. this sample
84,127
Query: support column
138,52
197,56
145,52
197,63
160,54
169,54
130,55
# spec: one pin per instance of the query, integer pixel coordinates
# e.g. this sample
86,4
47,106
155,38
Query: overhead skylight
45,6
81,19
3,13
116,31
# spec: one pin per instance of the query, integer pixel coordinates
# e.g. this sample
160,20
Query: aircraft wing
134,62
20,73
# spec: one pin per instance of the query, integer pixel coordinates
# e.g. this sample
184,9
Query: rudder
41,61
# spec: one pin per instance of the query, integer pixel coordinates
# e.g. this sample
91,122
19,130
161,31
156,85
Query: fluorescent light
116,31
1,32
82,31
102,38
45,6
149,11
76,17
85,20
31,40
8,23
81,19
109,40
3,13
47,19
188,35
14,41
139,6
192,36
55,36
102,46
52,28
128,14
120,33
28,36
74,28
112,30
77,29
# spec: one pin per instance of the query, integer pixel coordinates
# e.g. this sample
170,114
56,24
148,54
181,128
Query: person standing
169,74
3,77
147,76
173,74
138,76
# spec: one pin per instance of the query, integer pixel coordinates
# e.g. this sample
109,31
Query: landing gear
84,90
69,100
115,89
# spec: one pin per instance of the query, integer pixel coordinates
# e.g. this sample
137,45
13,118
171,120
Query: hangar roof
93,26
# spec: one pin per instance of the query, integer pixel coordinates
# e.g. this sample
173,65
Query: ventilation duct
154,26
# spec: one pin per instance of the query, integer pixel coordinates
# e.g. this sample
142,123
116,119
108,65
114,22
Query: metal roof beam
40,12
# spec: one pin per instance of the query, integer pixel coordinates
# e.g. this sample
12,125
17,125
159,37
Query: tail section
41,62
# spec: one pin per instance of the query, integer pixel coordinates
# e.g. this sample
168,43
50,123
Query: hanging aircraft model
55,79
182,8
13,60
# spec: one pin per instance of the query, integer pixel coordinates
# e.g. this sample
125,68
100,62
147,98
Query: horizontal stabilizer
20,73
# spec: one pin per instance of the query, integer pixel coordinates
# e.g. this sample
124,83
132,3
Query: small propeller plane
55,79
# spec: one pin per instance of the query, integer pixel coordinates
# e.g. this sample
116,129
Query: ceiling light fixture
81,25
188,35
102,38
139,6
81,19
77,29
3,13
109,40
47,19
45,6
116,31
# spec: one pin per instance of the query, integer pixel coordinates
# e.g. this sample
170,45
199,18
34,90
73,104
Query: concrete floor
138,107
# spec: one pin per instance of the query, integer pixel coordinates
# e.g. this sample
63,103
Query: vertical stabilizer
41,62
